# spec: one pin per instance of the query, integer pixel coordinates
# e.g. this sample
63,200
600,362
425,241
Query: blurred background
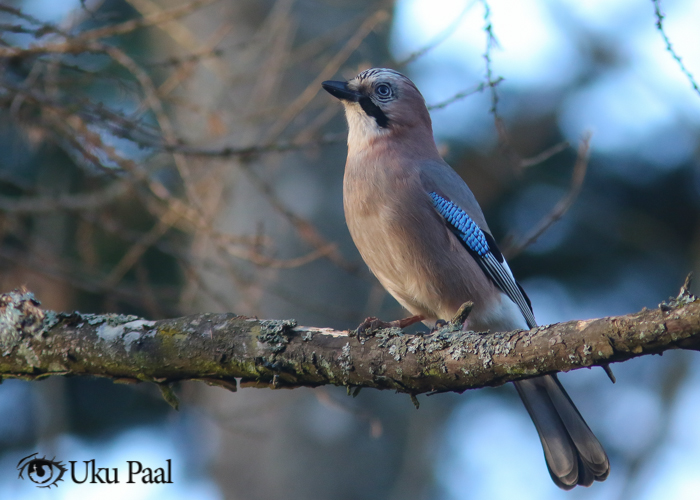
165,158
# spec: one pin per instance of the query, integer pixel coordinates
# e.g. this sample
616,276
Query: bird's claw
438,324
369,327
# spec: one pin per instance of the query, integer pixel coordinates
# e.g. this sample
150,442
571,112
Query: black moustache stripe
374,111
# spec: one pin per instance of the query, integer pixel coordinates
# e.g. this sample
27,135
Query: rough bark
220,348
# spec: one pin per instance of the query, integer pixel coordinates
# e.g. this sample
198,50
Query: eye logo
45,473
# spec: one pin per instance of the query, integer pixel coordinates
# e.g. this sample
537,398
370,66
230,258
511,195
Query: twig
180,33
304,228
491,42
156,18
544,155
577,178
461,95
252,151
659,25
64,202
72,273
328,71
180,210
315,46
185,70
194,56
31,19
442,36
137,250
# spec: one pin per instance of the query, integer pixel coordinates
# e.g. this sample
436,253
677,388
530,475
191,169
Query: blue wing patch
468,230
486,253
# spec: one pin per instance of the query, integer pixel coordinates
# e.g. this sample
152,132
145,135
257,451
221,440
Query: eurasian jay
422,233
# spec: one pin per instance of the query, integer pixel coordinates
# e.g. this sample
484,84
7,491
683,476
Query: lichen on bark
221,349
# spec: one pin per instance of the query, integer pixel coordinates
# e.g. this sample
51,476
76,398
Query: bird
422,233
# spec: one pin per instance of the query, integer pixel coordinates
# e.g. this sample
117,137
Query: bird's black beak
341,91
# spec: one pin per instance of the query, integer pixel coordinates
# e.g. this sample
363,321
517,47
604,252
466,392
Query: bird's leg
411,320
369,325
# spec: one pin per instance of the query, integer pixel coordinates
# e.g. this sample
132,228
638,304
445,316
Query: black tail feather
573,454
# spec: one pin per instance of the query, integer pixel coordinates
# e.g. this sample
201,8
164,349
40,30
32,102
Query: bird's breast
407,245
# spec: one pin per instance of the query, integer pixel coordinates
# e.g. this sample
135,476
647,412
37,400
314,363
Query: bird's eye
44,473
383,90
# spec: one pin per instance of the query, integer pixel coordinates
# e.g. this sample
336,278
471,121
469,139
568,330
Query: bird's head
381,102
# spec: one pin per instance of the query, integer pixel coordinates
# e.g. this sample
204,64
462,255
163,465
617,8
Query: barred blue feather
468,231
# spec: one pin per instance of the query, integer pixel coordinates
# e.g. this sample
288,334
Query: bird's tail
574,455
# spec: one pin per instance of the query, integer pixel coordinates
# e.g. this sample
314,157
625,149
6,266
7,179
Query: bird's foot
370,325
438,324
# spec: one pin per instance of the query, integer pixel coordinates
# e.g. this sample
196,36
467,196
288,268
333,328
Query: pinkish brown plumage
422,233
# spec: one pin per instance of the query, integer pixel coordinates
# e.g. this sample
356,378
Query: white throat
362,128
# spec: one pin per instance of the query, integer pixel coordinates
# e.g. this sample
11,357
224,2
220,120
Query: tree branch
220,348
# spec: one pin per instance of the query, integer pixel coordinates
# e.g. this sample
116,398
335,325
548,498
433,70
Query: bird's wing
456,204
